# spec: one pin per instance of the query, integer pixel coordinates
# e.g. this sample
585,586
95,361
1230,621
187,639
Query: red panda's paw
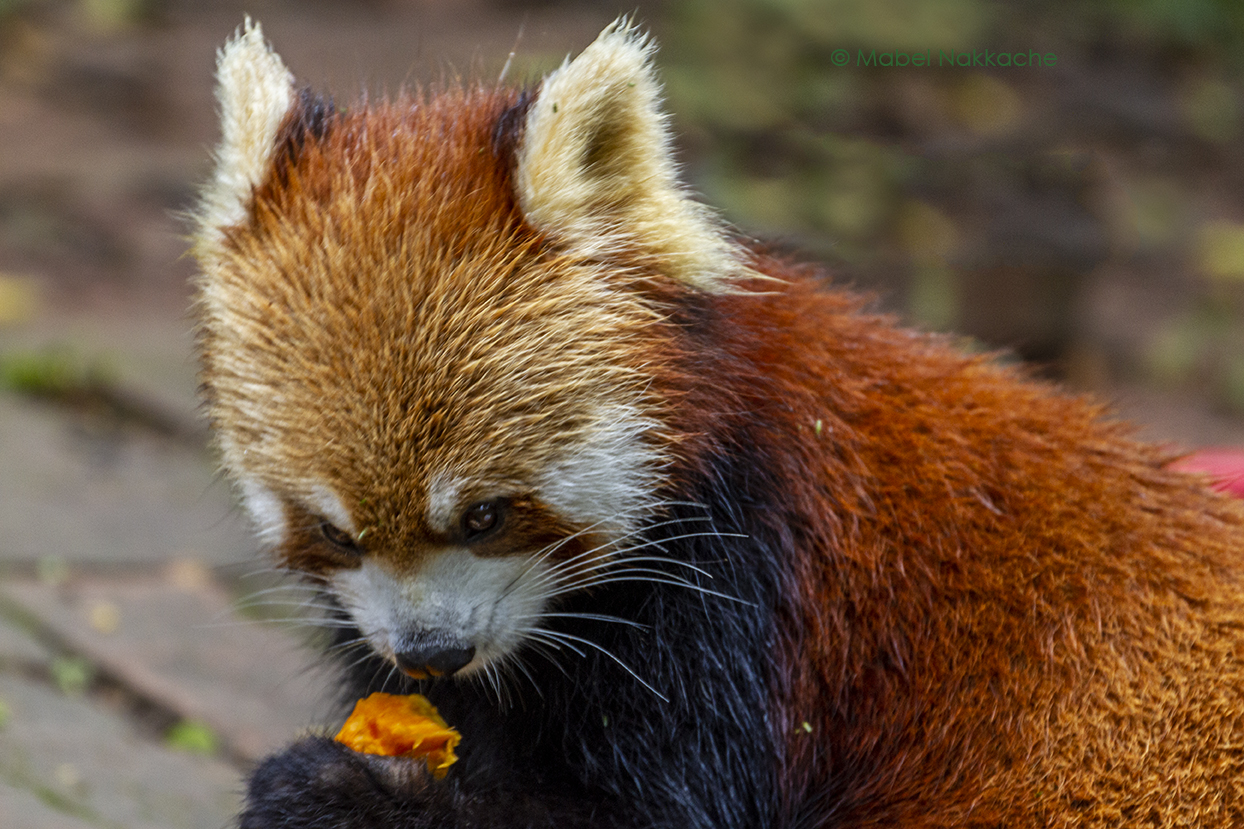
318,783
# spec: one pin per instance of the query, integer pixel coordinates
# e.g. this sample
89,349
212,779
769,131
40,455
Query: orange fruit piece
396,726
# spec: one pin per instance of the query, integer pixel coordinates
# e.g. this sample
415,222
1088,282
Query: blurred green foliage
72,675
990,200
54,371
1198,26
10,7
194,737
100,15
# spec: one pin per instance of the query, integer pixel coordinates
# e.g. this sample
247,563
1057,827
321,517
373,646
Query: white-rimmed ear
255,91
594,168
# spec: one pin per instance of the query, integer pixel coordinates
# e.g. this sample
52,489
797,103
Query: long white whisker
624,575
366,654
605,651
488,679
288,585
658,542
629,560
599,617
371,683
362,660
569,569
620,558
544,554
308,605
518,663
295,624
592,579
388,679
547,650
346,645
543,636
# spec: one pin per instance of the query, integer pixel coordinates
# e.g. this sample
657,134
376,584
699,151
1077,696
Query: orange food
394,726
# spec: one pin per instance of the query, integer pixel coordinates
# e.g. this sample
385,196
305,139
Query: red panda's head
433,342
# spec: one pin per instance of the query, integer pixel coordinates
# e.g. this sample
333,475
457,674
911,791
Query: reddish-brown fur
1006,612
994,609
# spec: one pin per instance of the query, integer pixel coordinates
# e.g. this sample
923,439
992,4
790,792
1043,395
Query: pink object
1224,466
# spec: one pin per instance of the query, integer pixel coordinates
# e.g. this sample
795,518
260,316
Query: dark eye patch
338,537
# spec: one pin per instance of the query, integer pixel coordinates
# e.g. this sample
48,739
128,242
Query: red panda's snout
458,613
440,580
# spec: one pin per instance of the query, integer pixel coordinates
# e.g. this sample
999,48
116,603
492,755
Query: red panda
671,532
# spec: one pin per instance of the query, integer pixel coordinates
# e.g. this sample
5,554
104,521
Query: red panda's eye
480,518
337,537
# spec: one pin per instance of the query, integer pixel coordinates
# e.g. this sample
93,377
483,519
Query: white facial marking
443,492
485,602
265,509
324,502
606,482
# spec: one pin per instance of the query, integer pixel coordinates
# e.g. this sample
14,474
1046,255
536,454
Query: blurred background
1085,215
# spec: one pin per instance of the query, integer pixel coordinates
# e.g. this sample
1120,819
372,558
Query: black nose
435,660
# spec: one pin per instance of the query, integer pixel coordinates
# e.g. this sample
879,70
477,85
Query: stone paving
136,682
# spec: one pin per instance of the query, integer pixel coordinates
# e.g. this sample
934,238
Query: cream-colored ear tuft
594,168
255,92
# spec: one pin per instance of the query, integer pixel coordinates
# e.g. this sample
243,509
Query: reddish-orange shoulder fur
1005,607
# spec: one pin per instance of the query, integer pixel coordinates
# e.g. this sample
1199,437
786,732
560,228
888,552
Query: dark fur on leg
317,783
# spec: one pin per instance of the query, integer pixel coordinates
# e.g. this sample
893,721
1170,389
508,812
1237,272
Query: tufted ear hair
595,172
255,92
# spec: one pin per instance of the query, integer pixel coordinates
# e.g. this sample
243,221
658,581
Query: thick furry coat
704,543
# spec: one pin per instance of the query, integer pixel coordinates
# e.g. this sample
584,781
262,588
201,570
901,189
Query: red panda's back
1005,604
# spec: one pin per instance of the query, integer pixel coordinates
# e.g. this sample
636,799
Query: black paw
318,783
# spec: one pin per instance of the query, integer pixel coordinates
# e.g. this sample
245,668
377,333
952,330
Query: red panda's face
431,370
